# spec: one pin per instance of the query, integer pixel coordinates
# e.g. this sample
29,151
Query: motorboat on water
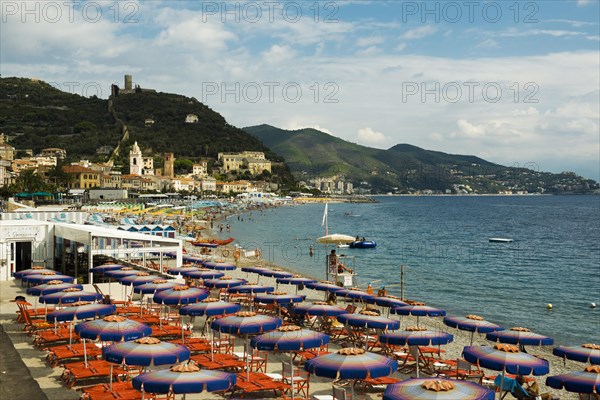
500,240
363,244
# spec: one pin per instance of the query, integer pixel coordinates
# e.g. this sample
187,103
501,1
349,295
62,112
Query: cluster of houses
142,176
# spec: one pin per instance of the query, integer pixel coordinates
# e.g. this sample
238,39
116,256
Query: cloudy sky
513,82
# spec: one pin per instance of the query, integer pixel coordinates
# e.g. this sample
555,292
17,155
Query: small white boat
500,240
343,246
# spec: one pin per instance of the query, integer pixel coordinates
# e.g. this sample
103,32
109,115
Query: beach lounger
459,369
59,354
95,369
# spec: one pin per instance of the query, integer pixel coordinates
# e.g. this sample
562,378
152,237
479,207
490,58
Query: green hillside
406,168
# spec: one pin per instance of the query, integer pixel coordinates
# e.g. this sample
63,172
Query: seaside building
252,161
56,152
82,177
200,169
28,239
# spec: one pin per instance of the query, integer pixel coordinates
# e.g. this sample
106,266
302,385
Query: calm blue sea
443,242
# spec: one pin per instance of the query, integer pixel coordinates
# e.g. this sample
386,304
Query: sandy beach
49,378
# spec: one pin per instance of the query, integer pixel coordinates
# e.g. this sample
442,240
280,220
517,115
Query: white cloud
537,32
420,32
488,43
369,41
368,137
583,2
400,47
277,54
295,125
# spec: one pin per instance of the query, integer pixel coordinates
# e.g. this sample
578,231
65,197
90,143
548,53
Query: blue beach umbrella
209,307
249,288
184,378
71,295
220,266
138,279
355,294
120,273
202,273
113,328
520,336
146,352
156,285
437,389
223,282
387,301
324,286
81,310
369,319
419,311
506,358
101,269
586,381
52,287
246,323
296,280
586,353
318,308
37,279
471,323
180,295
35,270
181,270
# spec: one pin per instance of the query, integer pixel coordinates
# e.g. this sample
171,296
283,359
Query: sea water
449,262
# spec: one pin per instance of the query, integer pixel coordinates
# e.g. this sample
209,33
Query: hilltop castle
128,87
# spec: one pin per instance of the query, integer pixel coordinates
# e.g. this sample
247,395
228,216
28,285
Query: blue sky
515,82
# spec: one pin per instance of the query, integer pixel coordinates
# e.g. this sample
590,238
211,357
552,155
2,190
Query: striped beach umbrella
437,389
52,287
101,269
318,308
506,358
155,286
181,270
70,295
209,307
355,294
586,381
278,298
471,323
246,323
419,311
223,282
220,266
251,288
120,273
81,310
415,336
146,352
113,328
37,279
203,273
138,279
520,336
180,295
184,378
289,338
35,270
369,319
586,353
324,286
351,363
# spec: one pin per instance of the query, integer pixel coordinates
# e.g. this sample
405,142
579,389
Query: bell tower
135,160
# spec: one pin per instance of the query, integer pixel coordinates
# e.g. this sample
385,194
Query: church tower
135,160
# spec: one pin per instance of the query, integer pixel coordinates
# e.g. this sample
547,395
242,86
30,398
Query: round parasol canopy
138,279
387,301
585,353
518,335
181,270
223,282
415,336
354,294
506,358
101,269
113,328
437,389
156,285
278,298
586,381
369,319
70,295
203,273
180,295
52,287
248,288
253,269
351,363
295,280
81,310
275,273
318,308
419,311
336,238
36,279
146,352
324,286
246,323
220,266
209,307
35,270
471,323
289,338
120,273
184,379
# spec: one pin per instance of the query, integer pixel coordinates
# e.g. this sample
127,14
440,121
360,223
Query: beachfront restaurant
72,248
